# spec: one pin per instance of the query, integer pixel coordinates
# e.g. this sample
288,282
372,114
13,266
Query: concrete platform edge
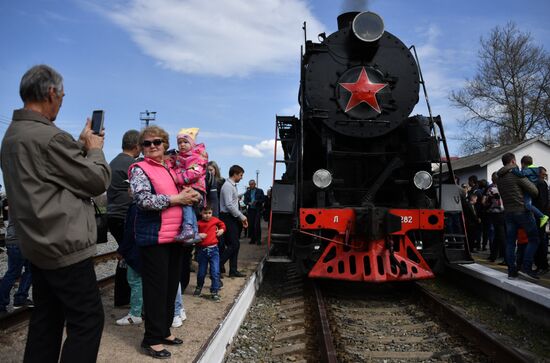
216,347
537,294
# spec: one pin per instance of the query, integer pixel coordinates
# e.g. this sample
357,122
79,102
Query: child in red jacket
210,228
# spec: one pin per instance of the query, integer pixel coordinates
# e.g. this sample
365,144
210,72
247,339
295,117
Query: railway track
410,325
23,314
335,321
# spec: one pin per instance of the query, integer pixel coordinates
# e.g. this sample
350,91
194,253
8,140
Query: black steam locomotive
359,200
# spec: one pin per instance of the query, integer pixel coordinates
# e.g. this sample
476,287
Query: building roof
488,156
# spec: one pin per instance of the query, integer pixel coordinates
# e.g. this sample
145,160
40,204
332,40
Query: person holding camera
50,179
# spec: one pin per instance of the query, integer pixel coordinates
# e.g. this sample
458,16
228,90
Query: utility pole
257,173
147,116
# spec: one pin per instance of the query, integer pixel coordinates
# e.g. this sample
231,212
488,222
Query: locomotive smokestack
345,19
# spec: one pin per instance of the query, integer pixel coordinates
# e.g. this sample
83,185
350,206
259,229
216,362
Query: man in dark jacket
542,203
50,179
512,189
254,200
118,202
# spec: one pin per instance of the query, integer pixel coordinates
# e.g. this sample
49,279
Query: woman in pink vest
158,221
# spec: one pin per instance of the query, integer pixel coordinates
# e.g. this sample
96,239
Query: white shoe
177,322
183,316
129,320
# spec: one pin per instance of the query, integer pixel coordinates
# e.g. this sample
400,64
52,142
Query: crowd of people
510,216
162,208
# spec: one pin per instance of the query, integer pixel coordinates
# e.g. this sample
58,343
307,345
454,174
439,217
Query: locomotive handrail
328,239
433,121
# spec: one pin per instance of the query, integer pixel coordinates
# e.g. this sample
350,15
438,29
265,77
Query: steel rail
487,342
22,314
328,352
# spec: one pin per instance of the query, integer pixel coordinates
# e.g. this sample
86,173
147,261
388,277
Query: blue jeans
530,207
16,262
178,303
190,218
514,221
209,255
136,292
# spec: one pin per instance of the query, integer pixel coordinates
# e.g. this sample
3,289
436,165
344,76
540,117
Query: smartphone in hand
97,121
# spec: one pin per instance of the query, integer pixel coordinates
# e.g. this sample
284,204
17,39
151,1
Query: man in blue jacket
254,200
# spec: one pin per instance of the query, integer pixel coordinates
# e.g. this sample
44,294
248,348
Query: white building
485,163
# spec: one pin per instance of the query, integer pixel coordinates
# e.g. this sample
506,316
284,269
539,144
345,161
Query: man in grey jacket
50,179
512,188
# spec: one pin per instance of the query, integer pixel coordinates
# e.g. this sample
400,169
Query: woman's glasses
148,143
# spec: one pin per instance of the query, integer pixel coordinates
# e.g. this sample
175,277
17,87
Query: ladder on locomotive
455,244
283,192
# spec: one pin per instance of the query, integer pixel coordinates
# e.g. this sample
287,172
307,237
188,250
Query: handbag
122,289
101,222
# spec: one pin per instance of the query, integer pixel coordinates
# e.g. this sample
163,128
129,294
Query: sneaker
191,241
28,303
183,315
529,276
197,291
216,297
512,275
185,234
543,221
177,322
129,320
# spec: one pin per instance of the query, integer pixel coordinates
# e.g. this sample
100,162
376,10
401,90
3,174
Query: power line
147,116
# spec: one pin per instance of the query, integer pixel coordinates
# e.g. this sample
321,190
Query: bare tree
507,101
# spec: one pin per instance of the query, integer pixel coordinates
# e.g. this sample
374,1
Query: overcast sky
227,67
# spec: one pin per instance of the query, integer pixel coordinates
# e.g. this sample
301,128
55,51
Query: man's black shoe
28,303
162,354
236,274
512,275
175,341
530,276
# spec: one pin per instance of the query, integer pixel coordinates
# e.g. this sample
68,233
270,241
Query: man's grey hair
130,139
37,81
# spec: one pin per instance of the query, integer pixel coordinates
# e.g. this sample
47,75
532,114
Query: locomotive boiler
359,199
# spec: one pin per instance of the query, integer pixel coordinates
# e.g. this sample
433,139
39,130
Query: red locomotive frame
348,257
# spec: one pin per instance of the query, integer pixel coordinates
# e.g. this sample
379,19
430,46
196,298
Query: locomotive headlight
368,26
422,180
322,178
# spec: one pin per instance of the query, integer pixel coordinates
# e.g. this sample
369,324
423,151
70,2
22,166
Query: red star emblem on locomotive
363,90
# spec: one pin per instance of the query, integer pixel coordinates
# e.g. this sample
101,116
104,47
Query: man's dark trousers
254,230
541,256
231,240
66,294
122,289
